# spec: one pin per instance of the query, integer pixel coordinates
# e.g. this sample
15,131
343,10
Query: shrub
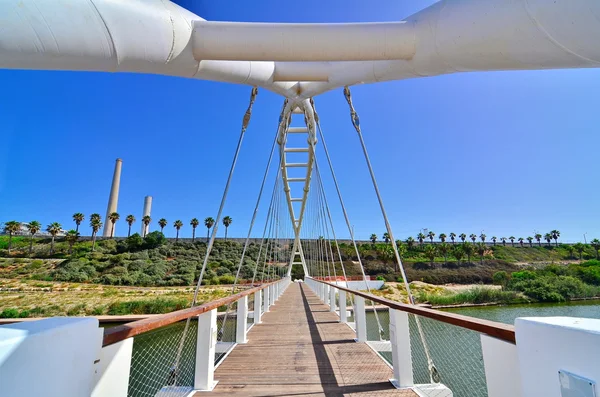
154,306
9,313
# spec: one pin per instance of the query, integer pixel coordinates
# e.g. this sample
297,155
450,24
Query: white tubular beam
204,379
237,41
266,300
159,37
242,320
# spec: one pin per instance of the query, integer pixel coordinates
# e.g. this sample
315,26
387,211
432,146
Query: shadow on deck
300,349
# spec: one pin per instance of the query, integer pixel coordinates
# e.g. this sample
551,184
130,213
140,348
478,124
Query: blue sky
506,152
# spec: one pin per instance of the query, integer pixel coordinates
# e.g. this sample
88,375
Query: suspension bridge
327,334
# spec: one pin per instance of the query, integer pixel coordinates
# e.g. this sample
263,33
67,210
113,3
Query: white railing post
501,365
401,353
204,379
342,305
272,294
360,317
325,294
257,307
111,377
332,299
242,320
266,300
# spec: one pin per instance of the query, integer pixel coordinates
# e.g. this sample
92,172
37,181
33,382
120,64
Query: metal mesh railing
226,330
455,353
154,360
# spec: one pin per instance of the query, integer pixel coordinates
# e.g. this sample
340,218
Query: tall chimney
113,199
147,211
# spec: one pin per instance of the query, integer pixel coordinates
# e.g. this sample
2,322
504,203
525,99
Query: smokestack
147,211
113,199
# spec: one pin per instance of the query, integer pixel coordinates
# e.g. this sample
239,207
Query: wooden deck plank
301,349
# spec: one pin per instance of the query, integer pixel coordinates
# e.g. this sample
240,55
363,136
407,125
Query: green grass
472,296
149,306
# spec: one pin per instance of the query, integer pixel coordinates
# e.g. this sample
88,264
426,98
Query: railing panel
447,354
251,312
157,366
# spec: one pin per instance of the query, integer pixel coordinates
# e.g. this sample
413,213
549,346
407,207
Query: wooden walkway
301,349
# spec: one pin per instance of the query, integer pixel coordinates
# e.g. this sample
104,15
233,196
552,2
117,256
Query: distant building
24,232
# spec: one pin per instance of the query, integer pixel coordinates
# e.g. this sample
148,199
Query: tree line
11,228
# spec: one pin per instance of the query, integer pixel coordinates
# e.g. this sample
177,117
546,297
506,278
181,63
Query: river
456,352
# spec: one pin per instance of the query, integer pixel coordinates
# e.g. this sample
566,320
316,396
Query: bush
154,306
9,313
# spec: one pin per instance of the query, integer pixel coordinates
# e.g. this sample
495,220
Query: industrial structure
113,198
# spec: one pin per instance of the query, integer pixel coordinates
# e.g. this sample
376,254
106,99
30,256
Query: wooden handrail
505,332
122,332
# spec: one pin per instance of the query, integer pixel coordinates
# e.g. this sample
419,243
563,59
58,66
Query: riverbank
28,298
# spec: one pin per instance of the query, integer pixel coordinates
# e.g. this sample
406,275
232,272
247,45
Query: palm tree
548,238
401,249
410,242
503,241
177,225
95,216
113,217
146,221
469,250
512,240
452,237
571,250
431,235
538,238
555,235
462,237
71,237
530,239
494,238
78,217
430,252
444,249
226,222
482,237
481,249
420,237
443,237
596,244
33,227
387,254
473,237
580,248
95,224
458,253
53,229
10,228
386,237
162,222
373,238
194,222
521,239
130,219
208,222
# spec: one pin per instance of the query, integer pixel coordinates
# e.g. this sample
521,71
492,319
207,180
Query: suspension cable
434,374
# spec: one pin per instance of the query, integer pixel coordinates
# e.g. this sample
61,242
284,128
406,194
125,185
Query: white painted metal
266,300
157,36
111,375
52,357
242,320
204,379
297,130
272,294
240,41
548,345
257,307
401,352
332,305
343,311
501,363
360,318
